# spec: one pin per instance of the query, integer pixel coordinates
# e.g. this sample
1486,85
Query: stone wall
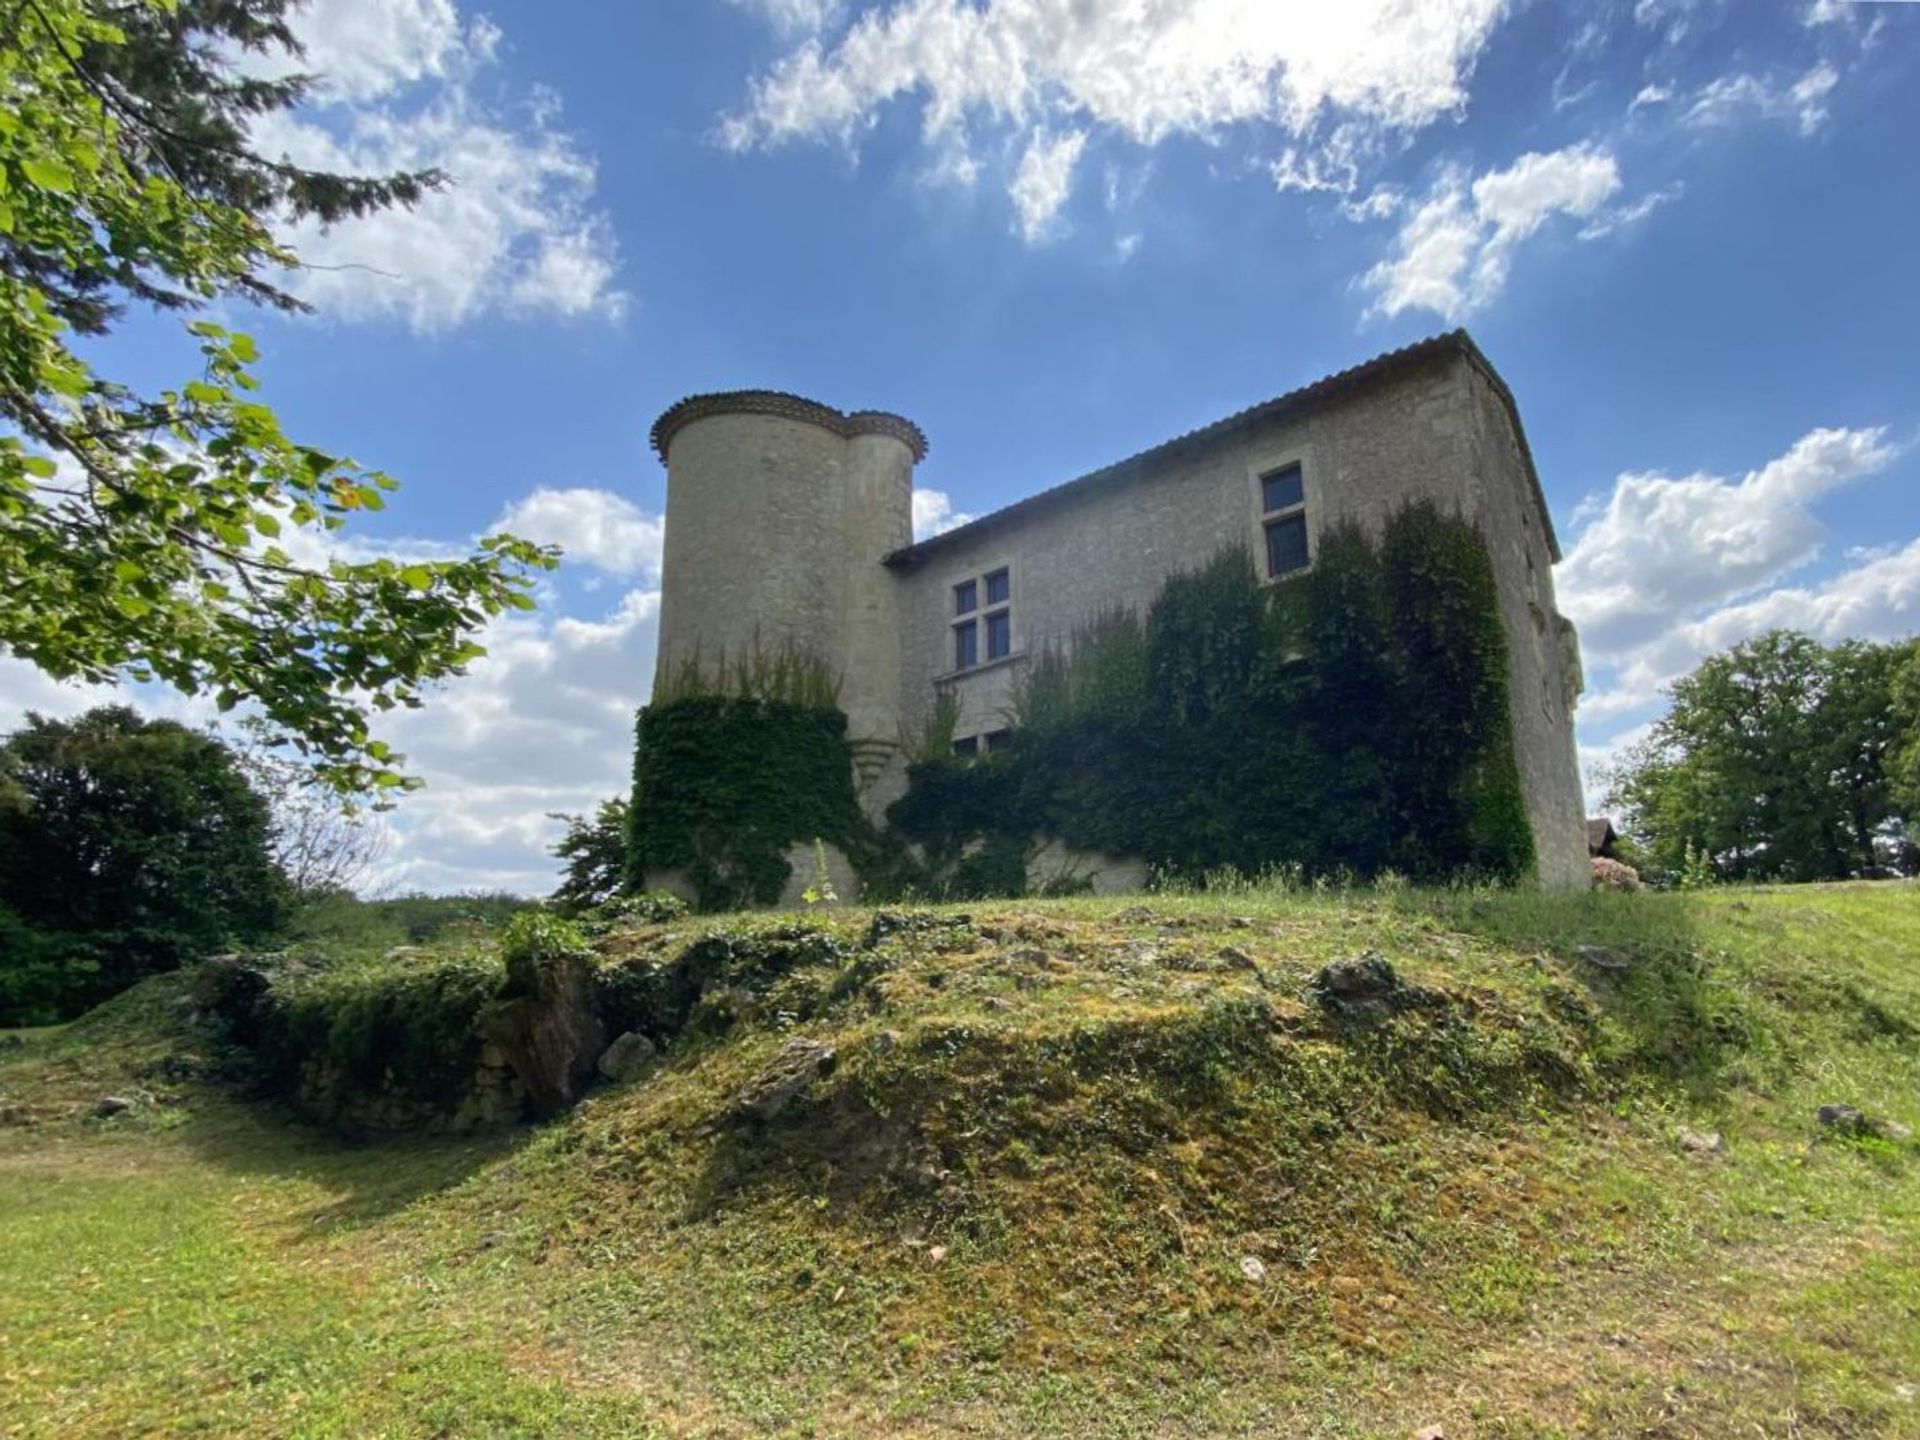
774,530
777,524
1430,431
1544,651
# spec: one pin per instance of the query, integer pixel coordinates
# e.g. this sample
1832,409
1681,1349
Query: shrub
536,938
651,907
42,972
1610,874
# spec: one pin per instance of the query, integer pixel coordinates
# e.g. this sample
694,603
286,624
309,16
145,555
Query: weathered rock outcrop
545,1025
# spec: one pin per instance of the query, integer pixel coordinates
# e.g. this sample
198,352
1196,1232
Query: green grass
1025,1210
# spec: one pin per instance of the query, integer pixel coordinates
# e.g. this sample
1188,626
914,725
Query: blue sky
1055,232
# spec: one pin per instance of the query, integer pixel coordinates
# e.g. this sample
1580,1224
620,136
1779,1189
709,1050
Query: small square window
1282,490
967,747
966,598
1287,545
997,740
999,635
999,588
966,646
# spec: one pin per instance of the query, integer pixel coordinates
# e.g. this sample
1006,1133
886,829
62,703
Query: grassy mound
1107,1167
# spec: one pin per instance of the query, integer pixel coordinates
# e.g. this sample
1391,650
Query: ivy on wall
724,785
1354,719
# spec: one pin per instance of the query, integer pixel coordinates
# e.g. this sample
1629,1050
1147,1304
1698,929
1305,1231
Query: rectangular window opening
966,598
997,740
1282,490
999,588
966,646
999,635
967,747
1286,545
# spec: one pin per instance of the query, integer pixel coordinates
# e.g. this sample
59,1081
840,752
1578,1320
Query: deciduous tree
1773,762
181,535
138,843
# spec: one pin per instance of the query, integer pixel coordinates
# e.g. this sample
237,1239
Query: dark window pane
1281,489
966,598
968,746
966,646
999,588
999,635
999,740
1287,545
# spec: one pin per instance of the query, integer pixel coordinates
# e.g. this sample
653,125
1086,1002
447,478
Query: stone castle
791,522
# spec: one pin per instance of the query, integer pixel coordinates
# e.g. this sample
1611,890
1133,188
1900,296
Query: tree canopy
181,536
129,845
1780,759
595,849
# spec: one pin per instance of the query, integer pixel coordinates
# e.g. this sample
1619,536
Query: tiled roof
791,407
1306,397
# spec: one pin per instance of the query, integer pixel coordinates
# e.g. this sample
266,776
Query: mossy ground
1026,1198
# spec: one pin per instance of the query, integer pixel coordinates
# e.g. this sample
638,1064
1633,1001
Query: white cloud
544,723
933,514
367,48
596,527
25,688
795,16
1661,547
1734,98
1044,180
1454,249
1650,95
1610,220
515,231
1876,600
1145,71
1666,570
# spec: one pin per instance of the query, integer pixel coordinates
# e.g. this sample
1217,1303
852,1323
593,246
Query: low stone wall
328,1095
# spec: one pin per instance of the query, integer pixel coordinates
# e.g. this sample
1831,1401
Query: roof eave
1319,392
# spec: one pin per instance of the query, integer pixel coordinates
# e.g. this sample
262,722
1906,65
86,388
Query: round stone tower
779,513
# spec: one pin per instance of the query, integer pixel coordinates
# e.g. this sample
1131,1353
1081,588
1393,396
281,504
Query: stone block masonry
789,522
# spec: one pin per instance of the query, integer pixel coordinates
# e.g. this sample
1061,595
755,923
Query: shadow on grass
363,1180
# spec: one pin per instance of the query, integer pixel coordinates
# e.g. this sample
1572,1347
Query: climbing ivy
724,786
1353,720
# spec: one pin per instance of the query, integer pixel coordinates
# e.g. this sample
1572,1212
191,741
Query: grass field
1083,1168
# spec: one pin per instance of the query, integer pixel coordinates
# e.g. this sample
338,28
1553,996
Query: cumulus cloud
1733,99
1040,68
543,723
933,514
515,232
1665,570
595,527
1454,248
363,49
